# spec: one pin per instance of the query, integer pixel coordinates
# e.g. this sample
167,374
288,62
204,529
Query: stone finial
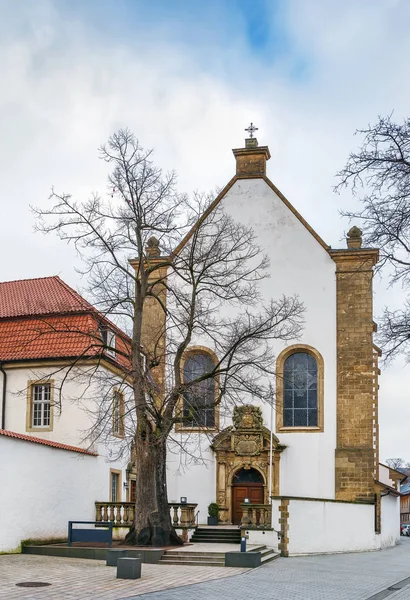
354,237
152,248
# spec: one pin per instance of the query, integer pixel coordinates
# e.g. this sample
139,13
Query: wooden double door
253,491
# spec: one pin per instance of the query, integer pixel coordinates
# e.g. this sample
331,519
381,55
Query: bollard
243,544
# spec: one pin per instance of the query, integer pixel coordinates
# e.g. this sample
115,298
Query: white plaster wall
299,265
384,476
267,538
42,488
320,527
192,477
390,521
73,419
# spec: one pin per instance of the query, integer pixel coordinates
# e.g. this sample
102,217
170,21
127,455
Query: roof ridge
51,443
31,279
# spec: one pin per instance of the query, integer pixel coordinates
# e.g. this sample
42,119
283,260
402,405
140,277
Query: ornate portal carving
247,417
246,445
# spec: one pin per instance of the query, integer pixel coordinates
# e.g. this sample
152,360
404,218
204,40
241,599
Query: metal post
243,544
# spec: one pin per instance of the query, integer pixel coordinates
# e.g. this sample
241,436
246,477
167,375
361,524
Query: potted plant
213,510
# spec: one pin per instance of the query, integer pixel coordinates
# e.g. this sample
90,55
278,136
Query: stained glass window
199,399
300,391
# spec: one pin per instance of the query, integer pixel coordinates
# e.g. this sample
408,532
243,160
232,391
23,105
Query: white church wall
299,265
390,520
321,527
191,472
42,488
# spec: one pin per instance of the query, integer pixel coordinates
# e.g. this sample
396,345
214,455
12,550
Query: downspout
3,403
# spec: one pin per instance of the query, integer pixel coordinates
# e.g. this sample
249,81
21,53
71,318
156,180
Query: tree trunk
152,525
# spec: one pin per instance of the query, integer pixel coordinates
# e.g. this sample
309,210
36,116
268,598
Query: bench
102,534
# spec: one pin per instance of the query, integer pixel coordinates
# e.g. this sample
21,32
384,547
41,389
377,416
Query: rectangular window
118,414
108,339
115,487
41,405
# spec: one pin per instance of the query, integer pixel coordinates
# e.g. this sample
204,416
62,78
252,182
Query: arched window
299,389
199,399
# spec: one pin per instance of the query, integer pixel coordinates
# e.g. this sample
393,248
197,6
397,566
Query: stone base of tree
152,536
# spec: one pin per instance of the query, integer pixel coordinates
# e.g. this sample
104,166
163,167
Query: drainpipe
3,403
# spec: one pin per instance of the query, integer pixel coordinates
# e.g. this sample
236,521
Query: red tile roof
35,440
43,296
46,319
51,337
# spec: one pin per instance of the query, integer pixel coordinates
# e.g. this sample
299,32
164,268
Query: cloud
187,81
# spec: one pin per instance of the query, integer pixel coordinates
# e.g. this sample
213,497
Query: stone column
356,377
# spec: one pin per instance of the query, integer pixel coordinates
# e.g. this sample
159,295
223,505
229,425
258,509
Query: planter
212,520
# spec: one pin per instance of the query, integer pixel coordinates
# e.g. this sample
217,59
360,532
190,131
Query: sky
187,77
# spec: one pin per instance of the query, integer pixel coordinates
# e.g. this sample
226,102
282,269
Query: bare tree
204,288
379,172
396,463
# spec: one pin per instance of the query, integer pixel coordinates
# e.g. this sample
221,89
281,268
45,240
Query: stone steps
209,559
216,535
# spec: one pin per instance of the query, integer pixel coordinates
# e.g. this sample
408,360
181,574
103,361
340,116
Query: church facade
303,475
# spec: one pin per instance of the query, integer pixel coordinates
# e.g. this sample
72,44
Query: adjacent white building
63,367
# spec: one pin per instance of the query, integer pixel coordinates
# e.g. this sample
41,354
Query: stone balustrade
256,516
121,514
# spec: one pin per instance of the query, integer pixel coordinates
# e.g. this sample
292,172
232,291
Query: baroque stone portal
245,445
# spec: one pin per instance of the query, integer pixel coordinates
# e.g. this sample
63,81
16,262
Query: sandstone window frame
31,385
117,475
181,427
280,363
117,425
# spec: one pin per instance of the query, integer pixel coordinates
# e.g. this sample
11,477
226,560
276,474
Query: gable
227,191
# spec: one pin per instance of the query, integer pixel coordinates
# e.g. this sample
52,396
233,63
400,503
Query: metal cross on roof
251,129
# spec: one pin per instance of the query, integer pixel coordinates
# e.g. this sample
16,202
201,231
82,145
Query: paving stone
355,576
83,579
332,577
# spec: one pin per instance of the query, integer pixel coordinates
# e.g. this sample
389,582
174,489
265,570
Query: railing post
98,516
131,514
184,516
175,518
245,515
111,515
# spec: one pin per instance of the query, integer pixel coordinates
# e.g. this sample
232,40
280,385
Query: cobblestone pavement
331,577
362,576
79,579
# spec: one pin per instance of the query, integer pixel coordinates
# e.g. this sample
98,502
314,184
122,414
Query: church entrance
246,483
